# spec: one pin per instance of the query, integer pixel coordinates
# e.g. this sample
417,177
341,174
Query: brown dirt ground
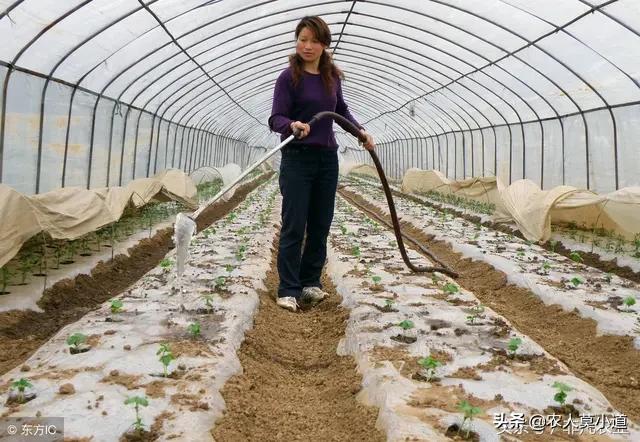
294,386
610,363
24,331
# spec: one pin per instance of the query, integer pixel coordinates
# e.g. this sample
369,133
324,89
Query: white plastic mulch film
100,92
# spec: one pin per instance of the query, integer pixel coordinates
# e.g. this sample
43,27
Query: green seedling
343,229
229,268
450,288
430,365
116,306
75,340
520,253
553,245
208,301
241,251
165,263
471,319
514,344
561,395
194,329
576,257
388,304
165,356
469,413
629,302
355,251
546,266
406,324
576,281
137,402
21,385
220,283
376,279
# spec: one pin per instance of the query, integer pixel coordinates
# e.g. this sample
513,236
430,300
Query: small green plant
165,357
469,413
629,302
343,229
21,385
194,329
553,245
430,365
513,345
576,281
137,402
355,251
450,288
406,324
75,340
546,265
576,257
165,263
607,277
376,279
561,394
116,306
229,268
388,304
208,301
521,253
220,283
242,249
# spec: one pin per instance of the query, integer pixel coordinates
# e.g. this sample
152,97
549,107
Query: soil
294,386
609,363
22,332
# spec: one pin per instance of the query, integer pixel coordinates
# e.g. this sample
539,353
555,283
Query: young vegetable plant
406,324
194,329
165,263
513,345
546,266
75,340
376,279
476,311
208,301
137,402
165,357
561,394
450,288
576,257
388,305
116,306
430,365
629,302
229,268
21,385
220,283
469,413
576,281
355,251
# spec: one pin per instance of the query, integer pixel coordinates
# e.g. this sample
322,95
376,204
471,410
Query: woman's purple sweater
302,103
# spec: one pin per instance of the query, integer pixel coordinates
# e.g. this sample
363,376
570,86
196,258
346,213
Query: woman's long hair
328,70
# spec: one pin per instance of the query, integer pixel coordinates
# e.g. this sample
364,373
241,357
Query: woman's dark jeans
308,182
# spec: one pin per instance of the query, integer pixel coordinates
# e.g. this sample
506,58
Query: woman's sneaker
312,295
288,303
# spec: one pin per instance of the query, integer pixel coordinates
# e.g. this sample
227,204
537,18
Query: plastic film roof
530,81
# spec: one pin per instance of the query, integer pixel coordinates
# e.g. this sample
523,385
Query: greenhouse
344,220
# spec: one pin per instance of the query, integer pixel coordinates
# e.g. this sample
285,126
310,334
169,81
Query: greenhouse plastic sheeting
532,209
99,93
72,212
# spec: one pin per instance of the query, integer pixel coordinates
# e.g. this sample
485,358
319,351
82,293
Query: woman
309,166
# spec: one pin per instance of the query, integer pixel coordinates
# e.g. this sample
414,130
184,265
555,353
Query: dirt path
609,363
294,386
22,332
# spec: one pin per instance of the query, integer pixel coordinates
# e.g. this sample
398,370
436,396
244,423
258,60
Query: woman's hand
304,128
369,144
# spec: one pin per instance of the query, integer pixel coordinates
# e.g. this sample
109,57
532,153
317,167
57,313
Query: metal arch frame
608,106
533,44
625,73
172,68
